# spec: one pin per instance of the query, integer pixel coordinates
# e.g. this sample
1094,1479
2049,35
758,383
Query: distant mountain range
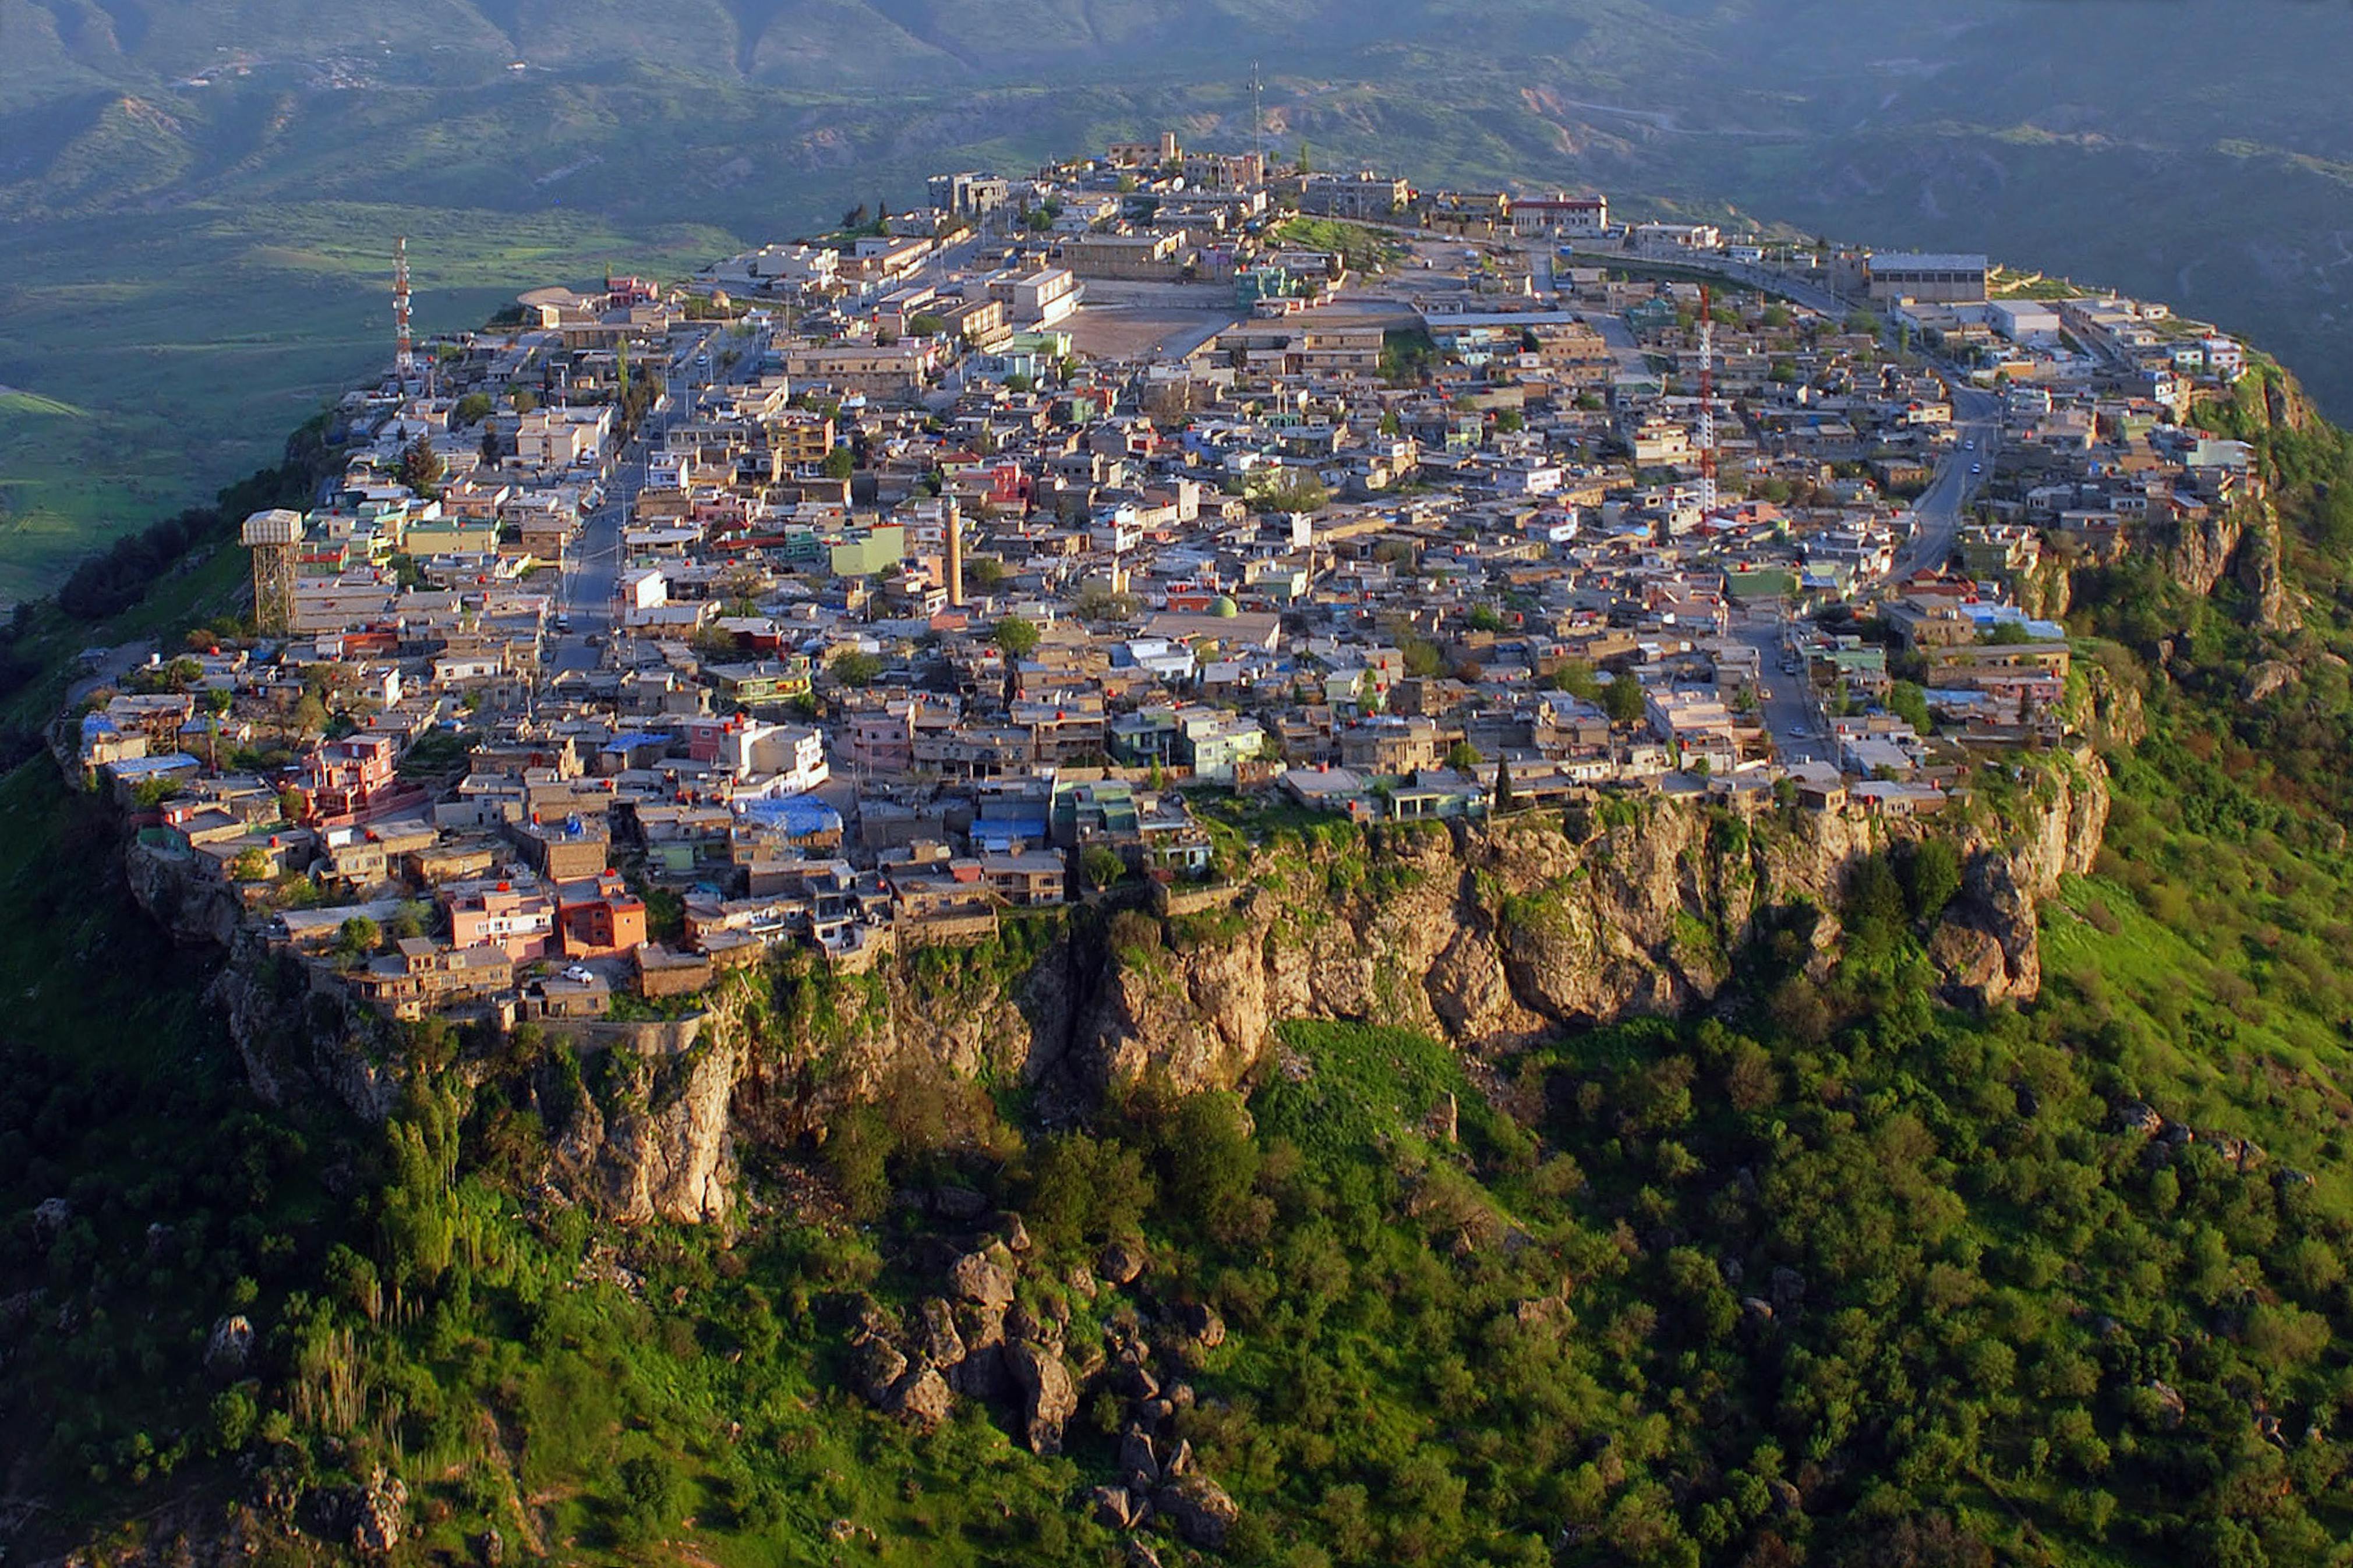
196,189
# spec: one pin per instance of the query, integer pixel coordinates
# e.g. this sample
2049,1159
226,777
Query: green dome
1223,606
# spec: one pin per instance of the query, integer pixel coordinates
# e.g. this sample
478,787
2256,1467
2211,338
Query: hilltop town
1049,540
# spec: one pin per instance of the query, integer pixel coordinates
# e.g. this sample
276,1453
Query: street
1938,513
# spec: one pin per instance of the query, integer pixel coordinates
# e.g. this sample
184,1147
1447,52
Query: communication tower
273,537
404,361
1707,401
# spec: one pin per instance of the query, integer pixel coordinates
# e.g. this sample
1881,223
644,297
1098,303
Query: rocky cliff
1489,936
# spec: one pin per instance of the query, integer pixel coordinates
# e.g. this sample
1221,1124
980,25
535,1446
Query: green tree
1016,636
1622,698
421,467
1930,871
472,408
1462,756
1909,702
356,938
1505,799
1102,865
855,667
1575,677
839,463
985,573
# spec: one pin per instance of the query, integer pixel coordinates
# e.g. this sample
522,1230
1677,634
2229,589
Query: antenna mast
1707,401
1257,123
404,362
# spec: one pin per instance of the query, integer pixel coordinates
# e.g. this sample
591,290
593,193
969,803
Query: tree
356,938
1102,865
1575,677
839,463
1462,756
985,573
1622,698
1295,492
924,324
1504,800
855,666
421,467
1930,871
1908,703
472,408
1016,636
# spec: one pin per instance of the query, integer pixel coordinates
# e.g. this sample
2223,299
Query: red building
600,918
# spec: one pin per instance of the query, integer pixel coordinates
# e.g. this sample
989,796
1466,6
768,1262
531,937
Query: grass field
148,360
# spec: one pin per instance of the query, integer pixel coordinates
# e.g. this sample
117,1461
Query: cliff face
1490,937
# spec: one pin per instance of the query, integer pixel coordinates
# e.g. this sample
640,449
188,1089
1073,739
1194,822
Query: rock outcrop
1488,936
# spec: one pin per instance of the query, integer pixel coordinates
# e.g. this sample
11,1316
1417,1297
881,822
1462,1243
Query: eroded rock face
1200,1508
1488,937
1048,1397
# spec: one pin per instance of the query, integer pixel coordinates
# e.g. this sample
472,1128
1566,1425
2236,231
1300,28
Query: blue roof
1003,832
797,815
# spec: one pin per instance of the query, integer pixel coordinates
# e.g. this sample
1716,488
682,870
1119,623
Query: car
1976,467
564,623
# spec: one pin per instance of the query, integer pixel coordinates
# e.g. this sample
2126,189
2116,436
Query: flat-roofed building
1935,278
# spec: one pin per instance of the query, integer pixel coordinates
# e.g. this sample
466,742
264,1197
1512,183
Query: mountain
1649,1181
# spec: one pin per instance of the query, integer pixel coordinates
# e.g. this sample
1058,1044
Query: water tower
273,536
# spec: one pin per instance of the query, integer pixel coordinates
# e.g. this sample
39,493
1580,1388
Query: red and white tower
404,358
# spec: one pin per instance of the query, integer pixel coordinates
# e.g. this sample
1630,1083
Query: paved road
1938,513
1787,711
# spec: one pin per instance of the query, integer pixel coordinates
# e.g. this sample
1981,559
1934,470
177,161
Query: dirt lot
1131,321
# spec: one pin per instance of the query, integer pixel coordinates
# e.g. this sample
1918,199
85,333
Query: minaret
955,556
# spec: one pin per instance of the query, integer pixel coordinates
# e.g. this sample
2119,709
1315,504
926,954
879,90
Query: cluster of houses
835,601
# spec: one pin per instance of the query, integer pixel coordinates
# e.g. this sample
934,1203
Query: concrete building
1935,279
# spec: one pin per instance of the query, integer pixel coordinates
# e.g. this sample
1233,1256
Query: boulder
1180,1459
1789,1290
876,1370
2171,1409
2136,1117
980,1326
1120,1262
977,1278
936,1337
921,1398
1114,1507
1201,1324
230,1345
983,1374
1139,1466
958,1203
1048,1399
378,1509
1199,1508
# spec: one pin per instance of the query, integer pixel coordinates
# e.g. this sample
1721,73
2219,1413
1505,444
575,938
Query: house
1030,879
518,918
599,917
